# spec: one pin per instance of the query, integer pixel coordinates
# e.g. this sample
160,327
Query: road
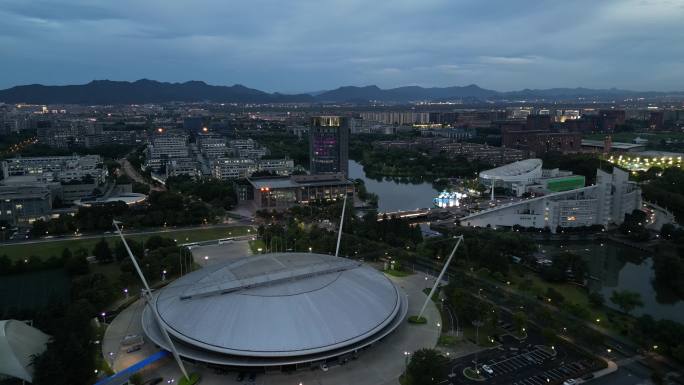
132,173
160,230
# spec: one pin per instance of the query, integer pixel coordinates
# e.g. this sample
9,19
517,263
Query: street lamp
163,275
406,360
125,293
310,248
103,314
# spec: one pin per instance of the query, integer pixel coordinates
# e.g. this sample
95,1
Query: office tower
329,145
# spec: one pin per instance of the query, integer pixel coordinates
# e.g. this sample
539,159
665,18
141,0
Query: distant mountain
474,92
405,94
150,91
142,91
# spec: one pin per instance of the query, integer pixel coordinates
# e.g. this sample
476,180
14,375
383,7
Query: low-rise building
604,203
164,146
24,203
236,168
182,166
57,168
212,146
283,192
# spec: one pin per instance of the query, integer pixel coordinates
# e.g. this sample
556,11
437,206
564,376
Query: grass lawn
398,273
486,338
471,374
571,293
54,248
256,245
447,340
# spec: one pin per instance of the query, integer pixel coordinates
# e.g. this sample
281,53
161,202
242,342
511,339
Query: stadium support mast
339,233
148,298
439,278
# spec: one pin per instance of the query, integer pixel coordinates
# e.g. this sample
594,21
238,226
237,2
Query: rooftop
288,182
278,305
520,167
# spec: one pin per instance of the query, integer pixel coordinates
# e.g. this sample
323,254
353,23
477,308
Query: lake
619,267
395,196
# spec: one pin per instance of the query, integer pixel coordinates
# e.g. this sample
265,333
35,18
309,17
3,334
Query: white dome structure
19,342
276,309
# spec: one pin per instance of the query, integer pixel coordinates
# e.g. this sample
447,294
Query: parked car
487,369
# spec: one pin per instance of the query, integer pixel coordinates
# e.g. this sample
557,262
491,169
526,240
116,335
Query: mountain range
100,92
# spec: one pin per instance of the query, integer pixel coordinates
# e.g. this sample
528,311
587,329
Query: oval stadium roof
277,308
515,169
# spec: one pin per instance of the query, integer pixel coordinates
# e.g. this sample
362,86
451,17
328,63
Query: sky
310,45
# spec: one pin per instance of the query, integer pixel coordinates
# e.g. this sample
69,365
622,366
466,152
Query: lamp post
406,360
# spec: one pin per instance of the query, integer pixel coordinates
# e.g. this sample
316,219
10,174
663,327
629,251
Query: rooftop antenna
148,297
439,278
339,233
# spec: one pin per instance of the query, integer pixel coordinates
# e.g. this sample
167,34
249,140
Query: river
618,267
612,266
395,196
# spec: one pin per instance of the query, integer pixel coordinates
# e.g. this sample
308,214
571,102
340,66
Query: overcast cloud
309,45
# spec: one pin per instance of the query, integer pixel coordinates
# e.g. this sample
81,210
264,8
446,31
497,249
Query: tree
596,299
102,252
626,300
520,320
426,367
136,248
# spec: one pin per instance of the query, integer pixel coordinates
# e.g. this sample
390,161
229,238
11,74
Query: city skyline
295,48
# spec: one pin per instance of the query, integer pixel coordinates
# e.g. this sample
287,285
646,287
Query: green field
54,248
33,290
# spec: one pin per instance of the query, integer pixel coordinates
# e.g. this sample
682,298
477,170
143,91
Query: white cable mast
339,233
439,278
148,297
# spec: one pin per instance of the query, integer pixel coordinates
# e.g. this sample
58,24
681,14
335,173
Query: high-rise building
329,145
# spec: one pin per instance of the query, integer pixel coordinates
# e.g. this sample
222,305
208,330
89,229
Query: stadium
514,176
276,311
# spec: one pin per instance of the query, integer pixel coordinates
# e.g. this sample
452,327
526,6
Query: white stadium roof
276,309
515,169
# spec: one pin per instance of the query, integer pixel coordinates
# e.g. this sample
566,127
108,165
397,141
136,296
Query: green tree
102,252
626,300
519,320
596,299
426,367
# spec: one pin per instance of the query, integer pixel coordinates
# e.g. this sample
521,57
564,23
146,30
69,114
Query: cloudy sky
309,45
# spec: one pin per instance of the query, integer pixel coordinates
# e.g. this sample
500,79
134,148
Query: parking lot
515,362
527,362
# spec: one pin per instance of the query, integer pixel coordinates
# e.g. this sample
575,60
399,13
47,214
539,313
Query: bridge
422,213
